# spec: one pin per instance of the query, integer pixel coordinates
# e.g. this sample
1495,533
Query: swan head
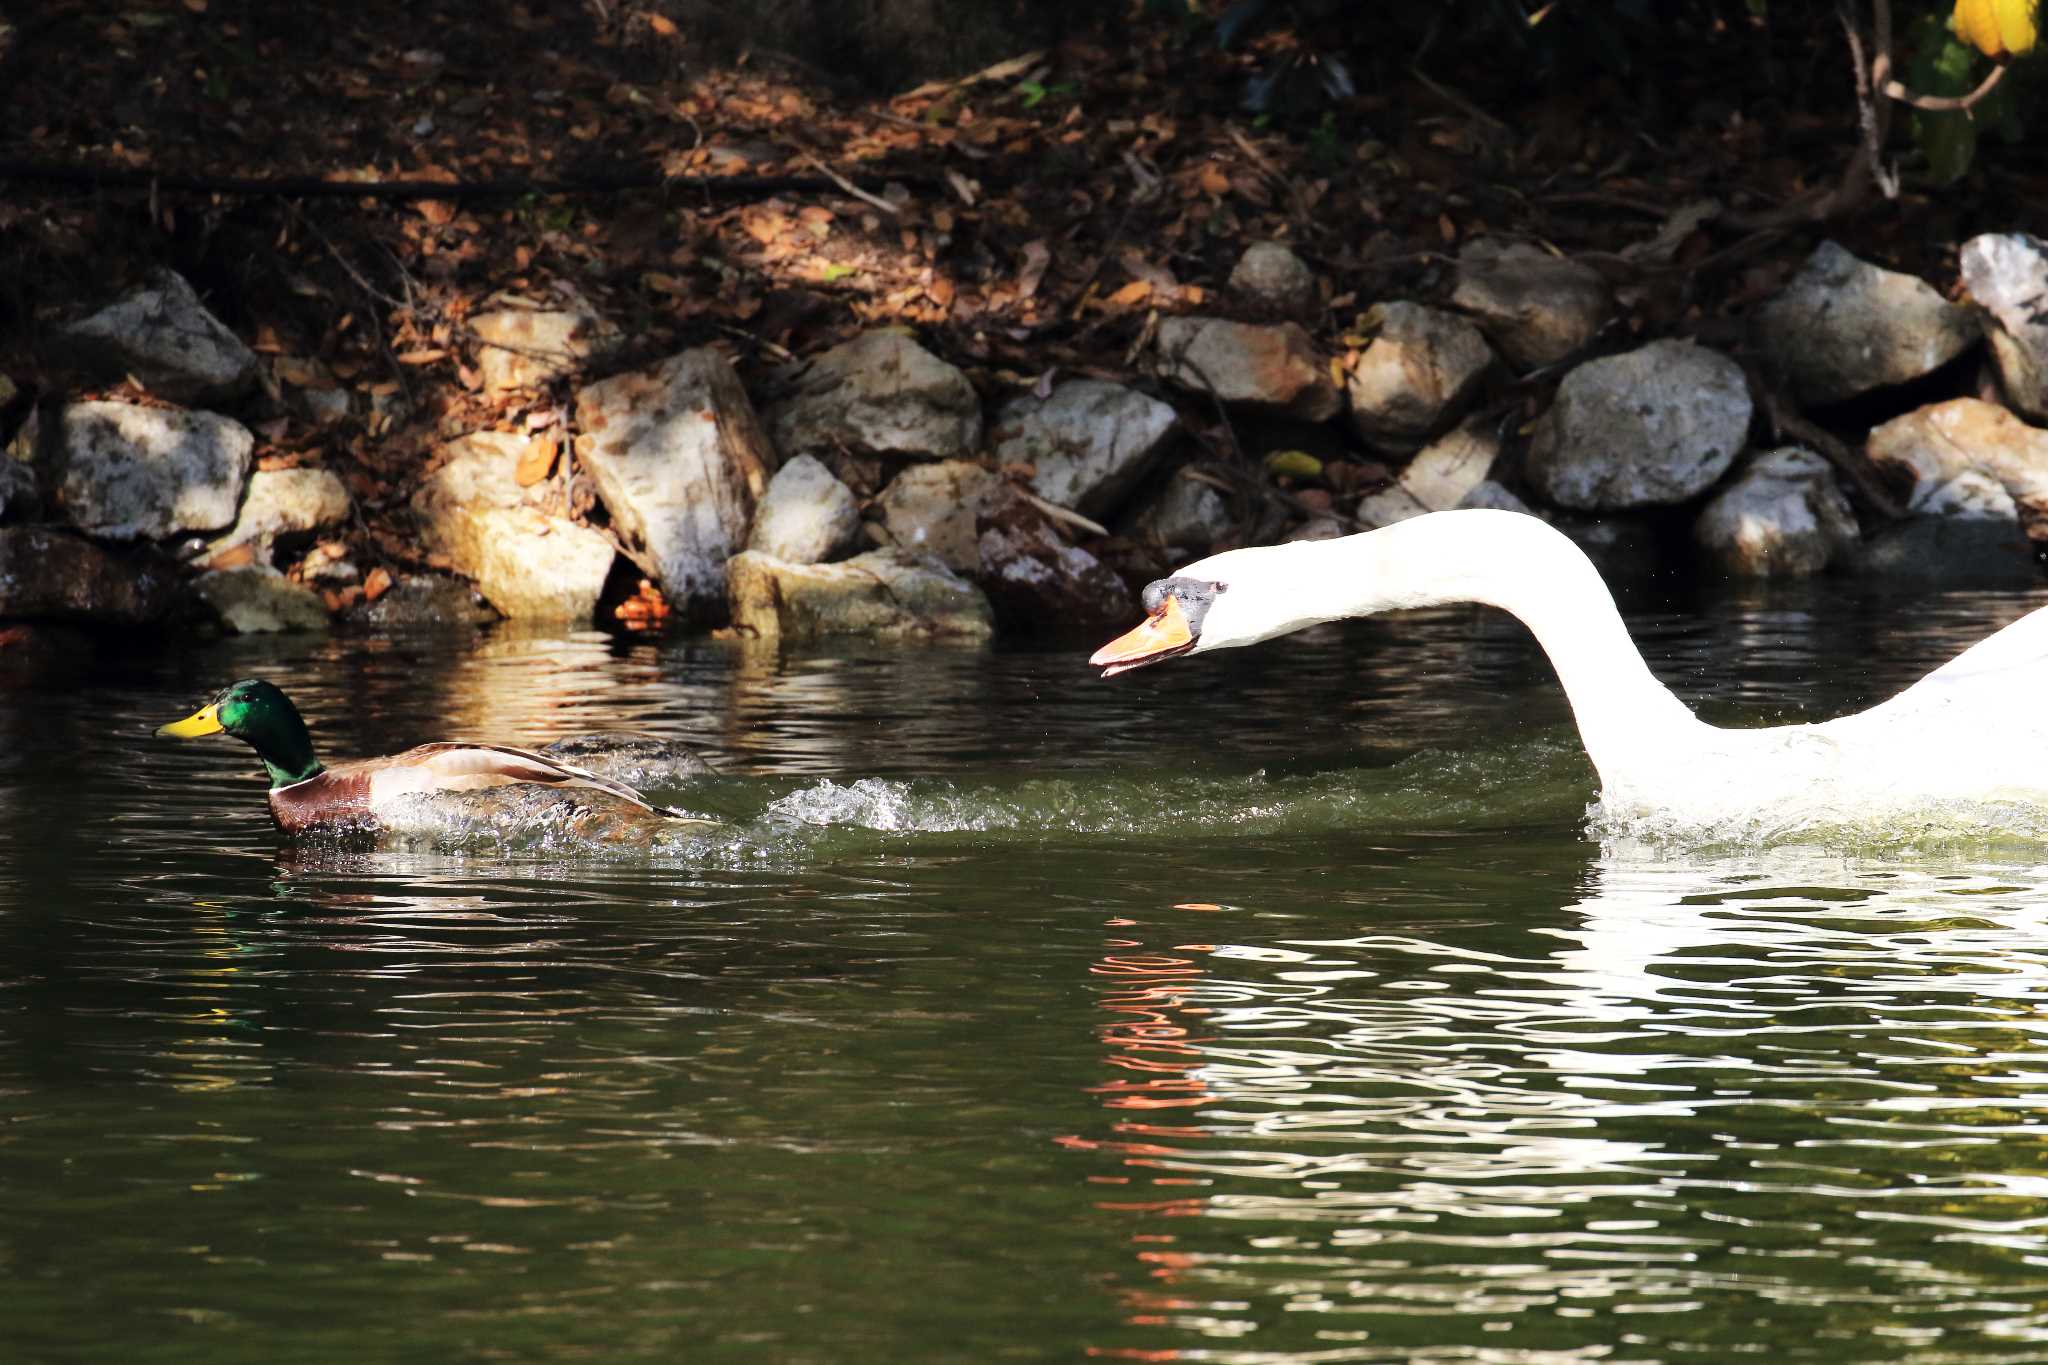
1239,597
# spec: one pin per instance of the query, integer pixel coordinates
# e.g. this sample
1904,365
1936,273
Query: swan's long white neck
1631,724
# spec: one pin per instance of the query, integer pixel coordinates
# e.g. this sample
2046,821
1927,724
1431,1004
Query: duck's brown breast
326,800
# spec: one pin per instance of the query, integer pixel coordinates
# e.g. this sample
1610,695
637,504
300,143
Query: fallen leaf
537,462
377,584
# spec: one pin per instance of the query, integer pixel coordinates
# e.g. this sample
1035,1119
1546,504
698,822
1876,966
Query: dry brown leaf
1137,291
439,212
1214,181
537,462
377,583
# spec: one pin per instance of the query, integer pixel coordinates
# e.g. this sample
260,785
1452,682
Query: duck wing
458,767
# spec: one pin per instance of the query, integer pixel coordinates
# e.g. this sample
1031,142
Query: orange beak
1159,636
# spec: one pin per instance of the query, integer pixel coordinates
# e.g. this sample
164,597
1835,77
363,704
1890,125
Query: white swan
1973,731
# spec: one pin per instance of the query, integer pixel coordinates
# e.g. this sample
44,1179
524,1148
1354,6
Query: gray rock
881,394
2007,276
1187,514
881,595
1447,470
48,575
679,459
529,349
162,334
1965,458
256,599
1648,428
1039,584
1843,326
807,516
1319,528
19,498
1539,309
1496,496
1417,376
930,509
1274,280
324,406
282,502
428,601
1089,441
129,472
1783,516
527,562
1264,368
1950,551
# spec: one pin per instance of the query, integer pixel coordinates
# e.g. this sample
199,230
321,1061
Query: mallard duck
1974,730
307,794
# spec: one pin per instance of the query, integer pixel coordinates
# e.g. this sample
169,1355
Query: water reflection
1795,1085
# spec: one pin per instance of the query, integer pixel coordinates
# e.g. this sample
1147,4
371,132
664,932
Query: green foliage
1943,64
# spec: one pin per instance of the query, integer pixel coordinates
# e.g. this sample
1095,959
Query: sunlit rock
161,333
128,472
881,394
286,502
1188,514
48,574
1648,428
1783,516
1843,326
1274,281
530,348
526,560
807,516
255,599
930,509
881,595
1418,374
1538,309
1089,442
1969,460
2007,276
1268,368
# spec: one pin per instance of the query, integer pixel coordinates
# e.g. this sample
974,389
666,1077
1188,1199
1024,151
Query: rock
881,394
1039,584
1968,459
530,349
1266,368
256,599
1950,550
679,459
1539,309
807,516
527,562
324,406
1497,496
328,563
881,595
429,601
1447,470
47,574
1318,528
284,502
2007,276
1187,514
128,472
930,509
1272,279
1417,375
1784,516
1089,441
1647,428
162,334
1843,326
19,498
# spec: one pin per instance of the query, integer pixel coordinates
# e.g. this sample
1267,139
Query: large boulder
930,509
523,348
1272,369
679,459
527,561
286,502
1417,375
1842,327
2007,276
881,595
879,394
807,516
1089,442
47,574
1784,516
162,334
255,599
1039,584
1651,427
127,472
1970,460
1538,309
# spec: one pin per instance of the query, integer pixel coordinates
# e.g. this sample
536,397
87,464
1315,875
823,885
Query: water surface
1270,1007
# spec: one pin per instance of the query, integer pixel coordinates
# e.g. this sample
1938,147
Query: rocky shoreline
1867,424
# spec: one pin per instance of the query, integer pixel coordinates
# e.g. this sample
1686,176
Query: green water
1275,1007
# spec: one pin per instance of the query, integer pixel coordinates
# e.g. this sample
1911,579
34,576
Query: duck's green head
264,718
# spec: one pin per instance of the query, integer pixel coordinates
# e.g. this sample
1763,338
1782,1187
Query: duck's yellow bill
1159,636
204,721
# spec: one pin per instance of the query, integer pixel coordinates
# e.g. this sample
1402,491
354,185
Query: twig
856,191
1065,514
1942,104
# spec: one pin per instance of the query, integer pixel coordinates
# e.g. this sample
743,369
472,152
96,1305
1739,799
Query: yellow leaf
1294,464
1134,292
536,462
1997,28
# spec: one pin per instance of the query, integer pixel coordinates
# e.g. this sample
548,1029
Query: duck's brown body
332,799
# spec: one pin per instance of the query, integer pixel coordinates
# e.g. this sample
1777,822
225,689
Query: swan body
1974,730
